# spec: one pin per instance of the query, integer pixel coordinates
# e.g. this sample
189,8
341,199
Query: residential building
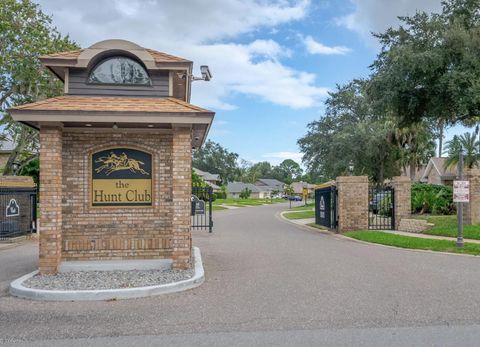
6,148
299,186
270,184
436,173
213,180
257,192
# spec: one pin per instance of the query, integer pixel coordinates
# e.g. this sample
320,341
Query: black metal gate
326,207
202,198
381,213
18,212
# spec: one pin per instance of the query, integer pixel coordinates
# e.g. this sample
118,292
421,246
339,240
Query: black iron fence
202,198
326,207
381,214
18,212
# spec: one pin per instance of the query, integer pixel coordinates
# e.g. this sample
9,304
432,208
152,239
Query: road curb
341,237
18,290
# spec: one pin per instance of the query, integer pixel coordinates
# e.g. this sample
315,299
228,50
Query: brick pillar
352,203
402,186
181,194
471,211
50,232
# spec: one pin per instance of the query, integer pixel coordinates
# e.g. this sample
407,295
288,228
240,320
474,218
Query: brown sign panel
121,176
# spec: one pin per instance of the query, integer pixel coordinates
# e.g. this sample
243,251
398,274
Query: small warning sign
461,191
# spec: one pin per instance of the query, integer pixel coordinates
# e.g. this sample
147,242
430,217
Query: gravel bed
95,280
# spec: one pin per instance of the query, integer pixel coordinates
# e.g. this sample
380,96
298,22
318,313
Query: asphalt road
269,282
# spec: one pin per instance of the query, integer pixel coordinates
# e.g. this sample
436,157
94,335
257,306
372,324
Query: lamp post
350,167
15,167
460,204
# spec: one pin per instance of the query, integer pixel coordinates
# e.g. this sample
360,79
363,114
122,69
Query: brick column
402,186
471,211
181,194
50,233
352,203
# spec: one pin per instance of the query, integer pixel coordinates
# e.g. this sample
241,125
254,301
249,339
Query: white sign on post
461,191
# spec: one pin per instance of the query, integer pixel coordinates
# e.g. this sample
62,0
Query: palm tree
416,144
469,143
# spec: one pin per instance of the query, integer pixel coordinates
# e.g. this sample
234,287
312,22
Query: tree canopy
26,33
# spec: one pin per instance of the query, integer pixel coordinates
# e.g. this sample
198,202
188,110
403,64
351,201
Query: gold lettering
98,195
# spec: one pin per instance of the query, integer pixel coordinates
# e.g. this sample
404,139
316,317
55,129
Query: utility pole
460,204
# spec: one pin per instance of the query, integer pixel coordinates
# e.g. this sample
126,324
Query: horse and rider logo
113,163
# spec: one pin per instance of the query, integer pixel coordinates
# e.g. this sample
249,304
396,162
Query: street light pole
460,204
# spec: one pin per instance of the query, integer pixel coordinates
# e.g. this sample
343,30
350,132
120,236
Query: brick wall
352,203
471,211
402,186
181,194
101,233
50,233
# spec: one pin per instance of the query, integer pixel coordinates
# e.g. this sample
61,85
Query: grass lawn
299,215
447,226
303,207
413,242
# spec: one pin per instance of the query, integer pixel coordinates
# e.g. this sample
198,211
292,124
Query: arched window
119,70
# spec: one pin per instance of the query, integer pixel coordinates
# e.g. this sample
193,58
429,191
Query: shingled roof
159,57
112,104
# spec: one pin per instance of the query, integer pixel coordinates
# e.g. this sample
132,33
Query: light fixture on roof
150,125
88,125
205,71
115,126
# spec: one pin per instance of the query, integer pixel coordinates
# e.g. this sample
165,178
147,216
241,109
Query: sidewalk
425,236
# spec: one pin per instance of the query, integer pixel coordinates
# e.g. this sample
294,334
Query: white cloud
377,15
202,31
315,47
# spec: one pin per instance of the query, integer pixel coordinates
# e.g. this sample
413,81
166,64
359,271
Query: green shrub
432,198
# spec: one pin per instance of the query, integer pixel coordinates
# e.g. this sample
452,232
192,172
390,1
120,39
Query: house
213,180
257,192
270,184
299,186
6,148
436,173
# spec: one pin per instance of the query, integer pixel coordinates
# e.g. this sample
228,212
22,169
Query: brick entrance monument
115,156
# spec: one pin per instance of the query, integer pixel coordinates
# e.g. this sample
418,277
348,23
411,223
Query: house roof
438,164
158,57
80,103
126,112
270,182
7,146
237,187
207,176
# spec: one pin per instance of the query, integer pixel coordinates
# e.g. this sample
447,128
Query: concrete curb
17,289
341,237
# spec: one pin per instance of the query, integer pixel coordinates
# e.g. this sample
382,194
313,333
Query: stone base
413,225
17,288
115,265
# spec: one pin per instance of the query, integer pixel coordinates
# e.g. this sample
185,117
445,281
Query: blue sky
273,62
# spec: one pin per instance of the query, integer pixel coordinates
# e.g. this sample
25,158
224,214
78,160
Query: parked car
295,198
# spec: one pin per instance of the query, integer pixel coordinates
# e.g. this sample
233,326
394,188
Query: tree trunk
381,173
413,169
441,129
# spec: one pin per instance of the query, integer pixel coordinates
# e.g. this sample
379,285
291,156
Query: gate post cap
398,179
352,179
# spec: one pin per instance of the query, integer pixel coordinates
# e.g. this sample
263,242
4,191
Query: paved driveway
268,281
